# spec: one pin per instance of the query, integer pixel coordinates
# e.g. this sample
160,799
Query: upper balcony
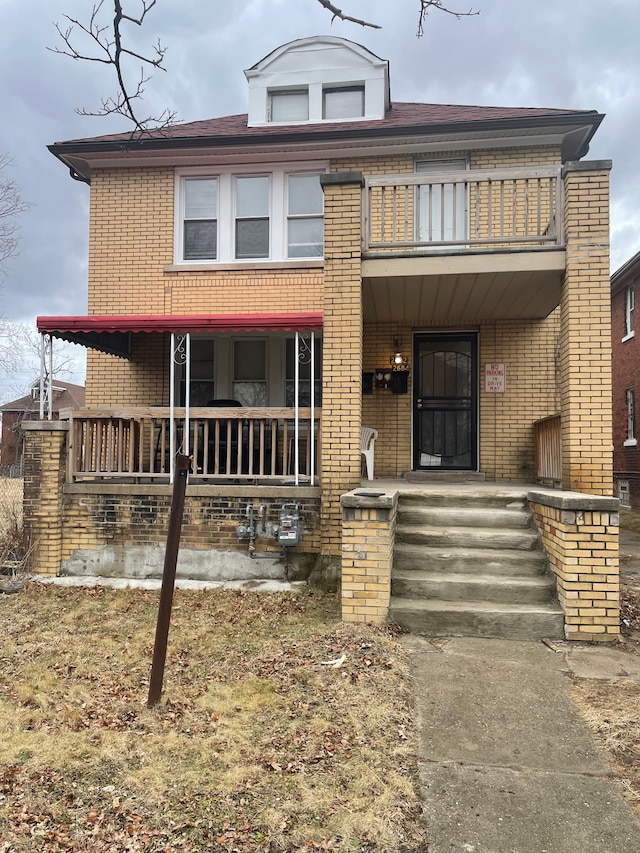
465,245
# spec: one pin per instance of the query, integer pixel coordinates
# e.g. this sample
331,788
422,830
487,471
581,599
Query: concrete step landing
472,565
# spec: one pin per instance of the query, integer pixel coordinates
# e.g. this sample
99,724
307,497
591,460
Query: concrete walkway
506,764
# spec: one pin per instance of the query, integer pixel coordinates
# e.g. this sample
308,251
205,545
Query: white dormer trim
313,65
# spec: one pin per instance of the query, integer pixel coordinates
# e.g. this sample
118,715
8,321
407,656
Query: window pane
250,393
289,106
305,195
249,360
343,103
201,198
252,238
201,358
200,240
305,238
252,197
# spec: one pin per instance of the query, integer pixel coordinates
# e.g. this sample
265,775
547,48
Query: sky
575,54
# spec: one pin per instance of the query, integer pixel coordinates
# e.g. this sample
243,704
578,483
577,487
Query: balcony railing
238,444
491,208
548,450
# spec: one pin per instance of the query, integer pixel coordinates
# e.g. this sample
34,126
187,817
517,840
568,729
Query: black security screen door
445,402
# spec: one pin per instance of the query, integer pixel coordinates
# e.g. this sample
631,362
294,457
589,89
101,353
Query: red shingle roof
401,116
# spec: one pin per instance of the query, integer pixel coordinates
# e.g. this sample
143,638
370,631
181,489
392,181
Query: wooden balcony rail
240,444
493,208
548,449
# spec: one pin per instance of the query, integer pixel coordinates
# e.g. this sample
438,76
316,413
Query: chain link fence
12,545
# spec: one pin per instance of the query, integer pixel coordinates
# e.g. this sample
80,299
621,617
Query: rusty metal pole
168,579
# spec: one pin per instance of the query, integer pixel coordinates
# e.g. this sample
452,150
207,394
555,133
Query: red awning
111,332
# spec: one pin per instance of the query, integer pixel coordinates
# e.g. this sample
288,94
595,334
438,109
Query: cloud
572,54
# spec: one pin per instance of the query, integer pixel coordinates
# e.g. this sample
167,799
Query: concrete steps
471,564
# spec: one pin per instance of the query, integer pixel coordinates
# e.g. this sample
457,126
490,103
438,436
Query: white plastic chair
367,440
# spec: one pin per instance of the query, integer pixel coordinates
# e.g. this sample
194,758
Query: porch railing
491,208
240,444
548,449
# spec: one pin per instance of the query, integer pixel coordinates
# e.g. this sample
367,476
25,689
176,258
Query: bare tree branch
11,204
338,13
427,5
108,48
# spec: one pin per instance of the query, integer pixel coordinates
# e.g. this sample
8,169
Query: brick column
580,535
341,351
368,535
585,337
44,475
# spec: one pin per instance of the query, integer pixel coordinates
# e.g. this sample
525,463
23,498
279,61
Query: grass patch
610,707
255,746
611,710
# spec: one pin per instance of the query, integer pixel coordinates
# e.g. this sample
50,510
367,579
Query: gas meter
288,531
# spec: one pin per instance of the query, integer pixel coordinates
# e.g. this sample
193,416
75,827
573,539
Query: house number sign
494,374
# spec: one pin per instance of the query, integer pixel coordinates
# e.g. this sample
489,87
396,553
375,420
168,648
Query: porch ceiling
462,288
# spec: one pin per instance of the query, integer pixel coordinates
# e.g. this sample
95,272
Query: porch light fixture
398,361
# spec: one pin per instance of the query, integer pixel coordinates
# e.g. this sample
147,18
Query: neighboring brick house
625,348
27,408
332,260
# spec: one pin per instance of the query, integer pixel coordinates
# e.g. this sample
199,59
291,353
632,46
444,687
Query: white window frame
275,93
630,402
344,87
629,307
278,218
290,217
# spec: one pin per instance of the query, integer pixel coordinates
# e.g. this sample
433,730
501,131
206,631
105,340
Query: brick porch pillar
585,336
44,475
342,350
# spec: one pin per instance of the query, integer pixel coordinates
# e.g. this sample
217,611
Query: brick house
625,350
65,395
262,286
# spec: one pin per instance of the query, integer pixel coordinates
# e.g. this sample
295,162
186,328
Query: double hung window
631,416
442,206
304,217
629,306
250,371
252,217
229,218
201,219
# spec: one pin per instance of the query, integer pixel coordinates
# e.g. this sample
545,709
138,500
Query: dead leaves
269,702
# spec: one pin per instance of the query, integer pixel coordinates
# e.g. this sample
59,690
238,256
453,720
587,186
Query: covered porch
222,376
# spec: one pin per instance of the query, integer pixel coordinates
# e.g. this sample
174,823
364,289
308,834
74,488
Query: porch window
252,217
289,106
200,219
202,383
343,102
631,418
250,371
629,305
304,372
305,201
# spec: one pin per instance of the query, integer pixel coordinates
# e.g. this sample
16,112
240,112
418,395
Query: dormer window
318,79
342,102
289,105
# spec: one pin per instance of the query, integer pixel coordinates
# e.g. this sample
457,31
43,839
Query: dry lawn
611,708
257,745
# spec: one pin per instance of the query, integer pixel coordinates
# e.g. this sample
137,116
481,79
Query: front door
445,389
